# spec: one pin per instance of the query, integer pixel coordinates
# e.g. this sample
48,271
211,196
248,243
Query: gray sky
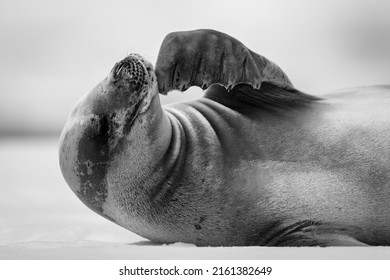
54,52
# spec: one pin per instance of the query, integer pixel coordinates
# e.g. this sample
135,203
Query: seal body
323,167
229,169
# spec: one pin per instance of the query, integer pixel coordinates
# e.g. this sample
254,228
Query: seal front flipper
312,233
206,57
321,240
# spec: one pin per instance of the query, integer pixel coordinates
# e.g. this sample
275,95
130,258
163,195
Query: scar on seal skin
254,162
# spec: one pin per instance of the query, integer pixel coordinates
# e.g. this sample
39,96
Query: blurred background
54,52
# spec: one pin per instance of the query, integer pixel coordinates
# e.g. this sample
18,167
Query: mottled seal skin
253,162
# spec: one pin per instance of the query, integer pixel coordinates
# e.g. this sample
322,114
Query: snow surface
42,219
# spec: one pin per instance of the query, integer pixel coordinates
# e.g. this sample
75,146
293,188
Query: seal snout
131,72
131,82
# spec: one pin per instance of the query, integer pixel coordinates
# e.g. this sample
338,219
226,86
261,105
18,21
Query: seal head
101,124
